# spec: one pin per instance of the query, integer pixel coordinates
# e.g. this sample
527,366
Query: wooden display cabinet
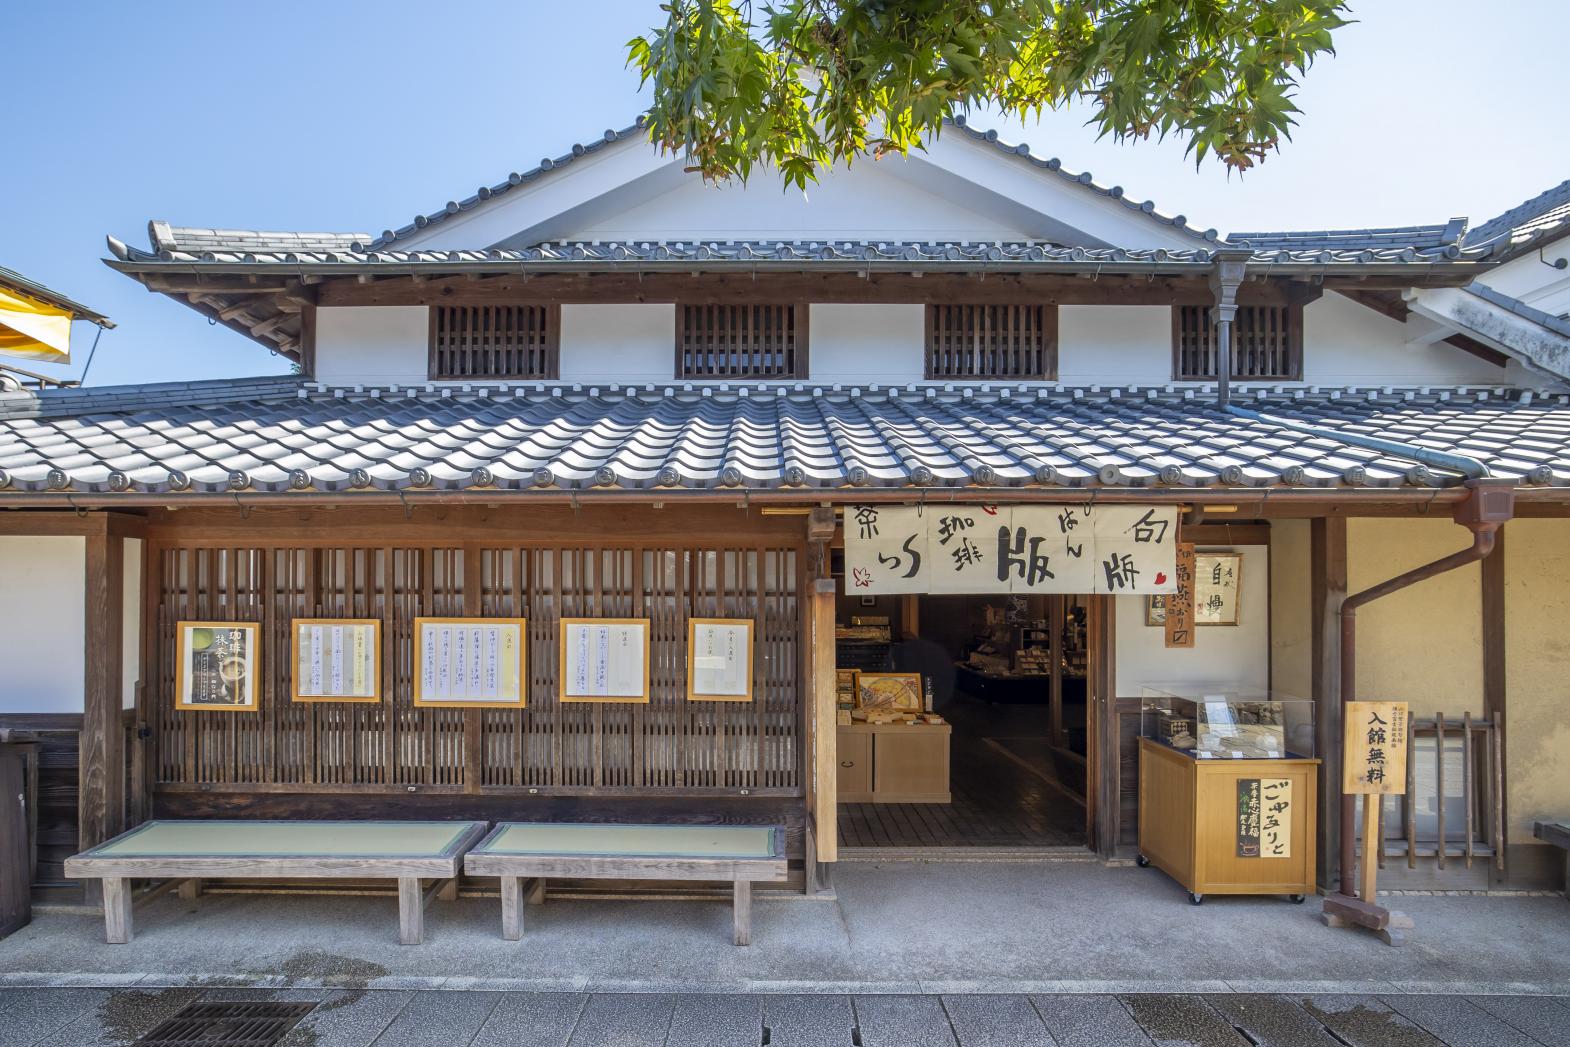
894,763
1189,823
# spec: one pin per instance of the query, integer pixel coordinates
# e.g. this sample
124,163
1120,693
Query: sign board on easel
1374,755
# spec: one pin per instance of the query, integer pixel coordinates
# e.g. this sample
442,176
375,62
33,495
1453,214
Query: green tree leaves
809,83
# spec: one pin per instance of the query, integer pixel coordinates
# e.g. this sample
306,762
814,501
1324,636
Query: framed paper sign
890,692
470,663
216,666
604,660
336,660
719,660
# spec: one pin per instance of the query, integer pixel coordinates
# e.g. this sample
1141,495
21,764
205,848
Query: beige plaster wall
1291,608
1423,644
1537,674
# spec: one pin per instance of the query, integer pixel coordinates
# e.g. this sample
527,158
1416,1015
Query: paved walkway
387,1018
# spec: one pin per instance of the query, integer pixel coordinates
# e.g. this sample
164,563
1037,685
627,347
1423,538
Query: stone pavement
437,1018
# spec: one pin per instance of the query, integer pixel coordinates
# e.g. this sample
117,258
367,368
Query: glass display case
1221,724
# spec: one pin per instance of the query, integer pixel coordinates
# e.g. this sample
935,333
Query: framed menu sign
216,666
719,660
470,663
604,660
336,660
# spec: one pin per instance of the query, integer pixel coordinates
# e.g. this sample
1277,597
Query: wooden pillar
821,697
1101,783
1494,667
101,789
474,719
1328,569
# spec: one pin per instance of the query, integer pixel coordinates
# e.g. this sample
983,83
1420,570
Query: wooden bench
539,851
193,851
1558,834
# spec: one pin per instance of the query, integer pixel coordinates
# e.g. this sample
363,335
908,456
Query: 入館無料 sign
1117,549
1376,736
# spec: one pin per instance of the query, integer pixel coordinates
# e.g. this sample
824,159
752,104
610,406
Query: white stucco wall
131,623
618,343
1228,657
866,343
43,637
1114,344
1346,343
1534,280
374,345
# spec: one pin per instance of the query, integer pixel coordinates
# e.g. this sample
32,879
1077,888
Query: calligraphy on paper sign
1180,605
1264,817
1375,740
1010,549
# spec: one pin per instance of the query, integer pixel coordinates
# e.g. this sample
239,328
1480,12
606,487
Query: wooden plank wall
670,747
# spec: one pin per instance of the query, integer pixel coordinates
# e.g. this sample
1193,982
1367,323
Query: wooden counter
1188,823
894,763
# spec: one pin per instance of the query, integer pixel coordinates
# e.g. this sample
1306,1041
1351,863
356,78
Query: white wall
867,343
1234,657
373,345
1345,343
618,343
1114,344
1533,280
131,623
43,630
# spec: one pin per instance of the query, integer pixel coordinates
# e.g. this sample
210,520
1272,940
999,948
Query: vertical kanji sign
886,550
1375,754
1180,605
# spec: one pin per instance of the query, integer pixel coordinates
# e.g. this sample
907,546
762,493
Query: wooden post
821,697
1328,567
512,908
1368,872
1101,783
101,790
411,911
117,910
1056,607
742,912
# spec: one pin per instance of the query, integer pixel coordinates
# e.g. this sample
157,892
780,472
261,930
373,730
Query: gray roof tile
1544,217
264,435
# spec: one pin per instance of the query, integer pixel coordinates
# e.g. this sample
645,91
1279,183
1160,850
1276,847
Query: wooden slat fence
668,747
741,340
1267,343
1453,807
495,341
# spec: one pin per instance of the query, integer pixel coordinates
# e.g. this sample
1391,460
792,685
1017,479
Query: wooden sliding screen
669,747
495,341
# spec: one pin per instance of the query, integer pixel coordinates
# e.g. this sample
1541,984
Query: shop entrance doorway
1008,768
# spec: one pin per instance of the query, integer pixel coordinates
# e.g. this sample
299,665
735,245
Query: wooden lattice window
495,341
755,340
992,341
1267,343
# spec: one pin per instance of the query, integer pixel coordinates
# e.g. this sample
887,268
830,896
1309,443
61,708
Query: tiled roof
1544,217
196,241
282,434
1418,237
895,254
35,290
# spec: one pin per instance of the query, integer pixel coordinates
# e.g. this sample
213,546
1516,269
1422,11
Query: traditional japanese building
601,388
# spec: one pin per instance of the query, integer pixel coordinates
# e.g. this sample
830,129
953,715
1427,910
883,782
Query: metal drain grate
227,1025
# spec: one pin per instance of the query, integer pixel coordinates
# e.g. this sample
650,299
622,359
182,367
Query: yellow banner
33,330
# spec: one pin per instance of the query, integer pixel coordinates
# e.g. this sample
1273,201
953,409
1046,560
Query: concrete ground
467,1018
912,928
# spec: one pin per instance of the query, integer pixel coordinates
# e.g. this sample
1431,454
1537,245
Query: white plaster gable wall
373,344
1114,344
866,201
1231,657
623,344
1533,280
863,344
44,641
959,188
1345,343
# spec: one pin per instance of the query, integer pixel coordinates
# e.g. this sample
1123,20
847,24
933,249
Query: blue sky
353,116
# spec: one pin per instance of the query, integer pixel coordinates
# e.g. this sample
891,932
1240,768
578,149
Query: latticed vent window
495,341
741,341
1267,342
992,341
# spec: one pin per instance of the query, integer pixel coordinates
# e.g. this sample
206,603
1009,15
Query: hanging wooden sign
985,549
1179,606
1374,757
